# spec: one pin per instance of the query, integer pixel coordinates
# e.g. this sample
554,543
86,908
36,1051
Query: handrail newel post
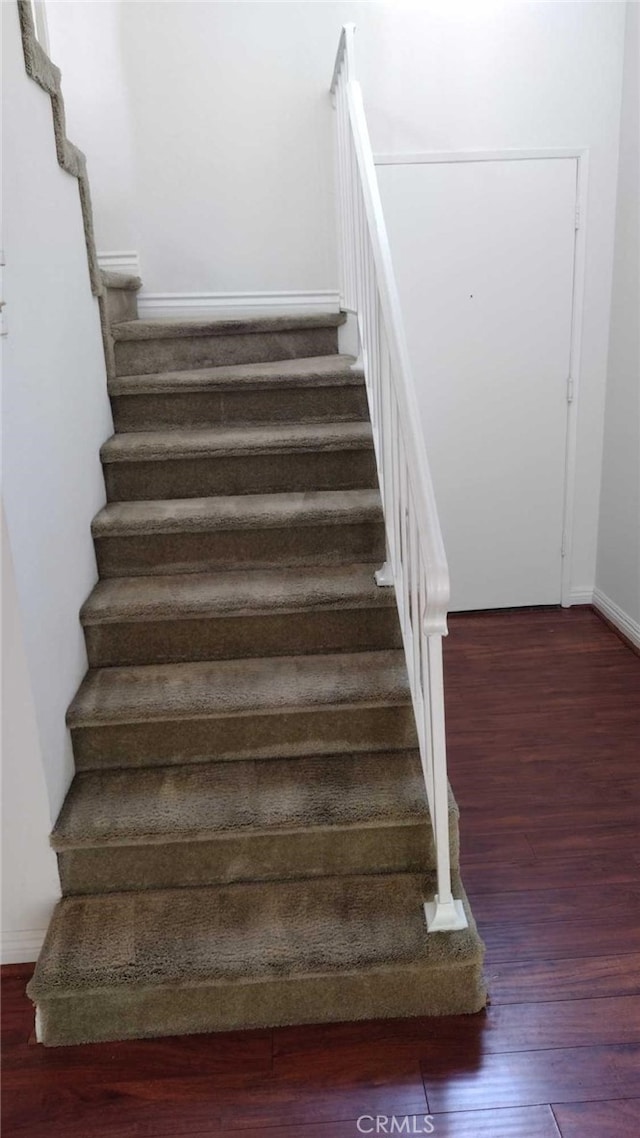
444,912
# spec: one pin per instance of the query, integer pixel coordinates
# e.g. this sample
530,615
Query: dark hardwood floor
544,743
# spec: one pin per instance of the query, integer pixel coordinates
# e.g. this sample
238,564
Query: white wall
232,138
231,125
498,76
55,416
618,572
30,884
84,41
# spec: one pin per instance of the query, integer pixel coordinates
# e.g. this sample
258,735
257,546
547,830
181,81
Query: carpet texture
120,296
319,389
255,954
195,535
144,346
186,463
246,841
198,825
195,616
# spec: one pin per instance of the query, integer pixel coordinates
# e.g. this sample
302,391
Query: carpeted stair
246,841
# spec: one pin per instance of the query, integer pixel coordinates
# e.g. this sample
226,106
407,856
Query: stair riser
135,1014
144,357
241,474
210,409
122,304
252,548
328,731
224,638
384,849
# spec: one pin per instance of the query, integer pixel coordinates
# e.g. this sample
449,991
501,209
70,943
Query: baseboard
581,596
120,262
629,628
202,304
21,947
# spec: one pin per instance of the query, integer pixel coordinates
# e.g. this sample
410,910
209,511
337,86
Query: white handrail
416,562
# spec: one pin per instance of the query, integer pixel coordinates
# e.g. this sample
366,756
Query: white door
483,253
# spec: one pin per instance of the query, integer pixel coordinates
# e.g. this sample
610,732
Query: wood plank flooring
543,711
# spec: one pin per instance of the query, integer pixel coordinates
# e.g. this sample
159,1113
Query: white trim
575,368
476,156
21,947
349,339
629,627
213,303
127,261
580,154
200,303
580,596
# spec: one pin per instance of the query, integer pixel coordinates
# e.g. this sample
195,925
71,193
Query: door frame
580,154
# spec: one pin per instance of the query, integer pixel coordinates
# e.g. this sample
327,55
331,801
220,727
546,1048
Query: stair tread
313,370
180,596
156,692
129,282
239,511
166,328
197,442
193,803
243,933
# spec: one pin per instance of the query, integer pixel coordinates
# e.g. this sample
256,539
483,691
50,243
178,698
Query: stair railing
416,563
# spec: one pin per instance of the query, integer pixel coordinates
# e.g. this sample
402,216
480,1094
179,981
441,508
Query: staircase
246,841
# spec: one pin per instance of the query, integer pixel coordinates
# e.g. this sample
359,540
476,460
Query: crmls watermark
394,1124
